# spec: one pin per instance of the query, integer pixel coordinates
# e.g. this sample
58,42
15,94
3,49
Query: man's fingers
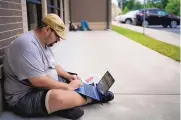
75,77
81,84
78,78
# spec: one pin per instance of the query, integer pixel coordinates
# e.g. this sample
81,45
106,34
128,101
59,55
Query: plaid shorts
32,104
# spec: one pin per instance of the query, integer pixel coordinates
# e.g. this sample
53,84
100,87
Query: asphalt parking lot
168,29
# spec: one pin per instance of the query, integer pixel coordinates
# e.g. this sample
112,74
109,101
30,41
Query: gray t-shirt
26,58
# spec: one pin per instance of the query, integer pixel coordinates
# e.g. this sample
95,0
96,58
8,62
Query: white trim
10,2
2,56
44,8
8,38
10,9
4,47
11,30
11,23
11,16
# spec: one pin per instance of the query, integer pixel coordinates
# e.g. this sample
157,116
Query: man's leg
72,113
65,103
33,104
58,99
82,26
86,25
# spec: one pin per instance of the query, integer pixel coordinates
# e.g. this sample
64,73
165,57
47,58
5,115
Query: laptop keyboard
89,90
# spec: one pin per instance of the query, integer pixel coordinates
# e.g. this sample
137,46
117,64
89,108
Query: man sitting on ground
34,83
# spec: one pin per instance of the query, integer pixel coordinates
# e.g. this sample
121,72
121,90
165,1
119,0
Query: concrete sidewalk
147,83
168,37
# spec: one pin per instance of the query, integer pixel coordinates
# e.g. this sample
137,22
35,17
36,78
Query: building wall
11,25
115,11
94,11
24,16
11,22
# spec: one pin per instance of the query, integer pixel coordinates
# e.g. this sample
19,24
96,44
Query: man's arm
47,82
61,72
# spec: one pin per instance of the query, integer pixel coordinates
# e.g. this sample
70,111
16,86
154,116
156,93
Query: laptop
97,92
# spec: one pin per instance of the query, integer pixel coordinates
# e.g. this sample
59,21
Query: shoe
93,84
72,113
109,96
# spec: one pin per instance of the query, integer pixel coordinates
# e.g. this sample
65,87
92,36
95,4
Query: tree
129,4
164,3
173,7
132,4
137,5
156,4
125,10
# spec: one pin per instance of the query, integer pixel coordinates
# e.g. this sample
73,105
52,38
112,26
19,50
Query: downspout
108,14
63,5
70,11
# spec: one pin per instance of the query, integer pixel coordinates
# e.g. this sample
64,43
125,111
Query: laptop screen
105,83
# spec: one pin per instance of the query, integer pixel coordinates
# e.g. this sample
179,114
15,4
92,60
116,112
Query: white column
44,7
61,9
55,3
66,11
24,15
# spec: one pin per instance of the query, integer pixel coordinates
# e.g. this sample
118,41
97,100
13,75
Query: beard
49,39
51,44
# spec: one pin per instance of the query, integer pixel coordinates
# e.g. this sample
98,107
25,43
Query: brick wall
12,21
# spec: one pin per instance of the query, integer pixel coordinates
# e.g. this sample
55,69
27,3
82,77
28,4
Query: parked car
128,18
155,16
117,18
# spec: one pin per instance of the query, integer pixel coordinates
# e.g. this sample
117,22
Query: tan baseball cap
56,23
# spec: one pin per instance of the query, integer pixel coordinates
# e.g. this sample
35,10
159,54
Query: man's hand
61,72
74,77
74,84
48,82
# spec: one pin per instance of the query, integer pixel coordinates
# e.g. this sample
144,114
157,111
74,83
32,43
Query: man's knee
63,97
60,100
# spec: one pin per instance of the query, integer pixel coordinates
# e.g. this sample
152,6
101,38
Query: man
32,83
73,27
85,25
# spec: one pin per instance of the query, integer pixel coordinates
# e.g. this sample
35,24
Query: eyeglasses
57,36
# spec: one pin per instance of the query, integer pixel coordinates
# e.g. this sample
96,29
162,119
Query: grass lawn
159,46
